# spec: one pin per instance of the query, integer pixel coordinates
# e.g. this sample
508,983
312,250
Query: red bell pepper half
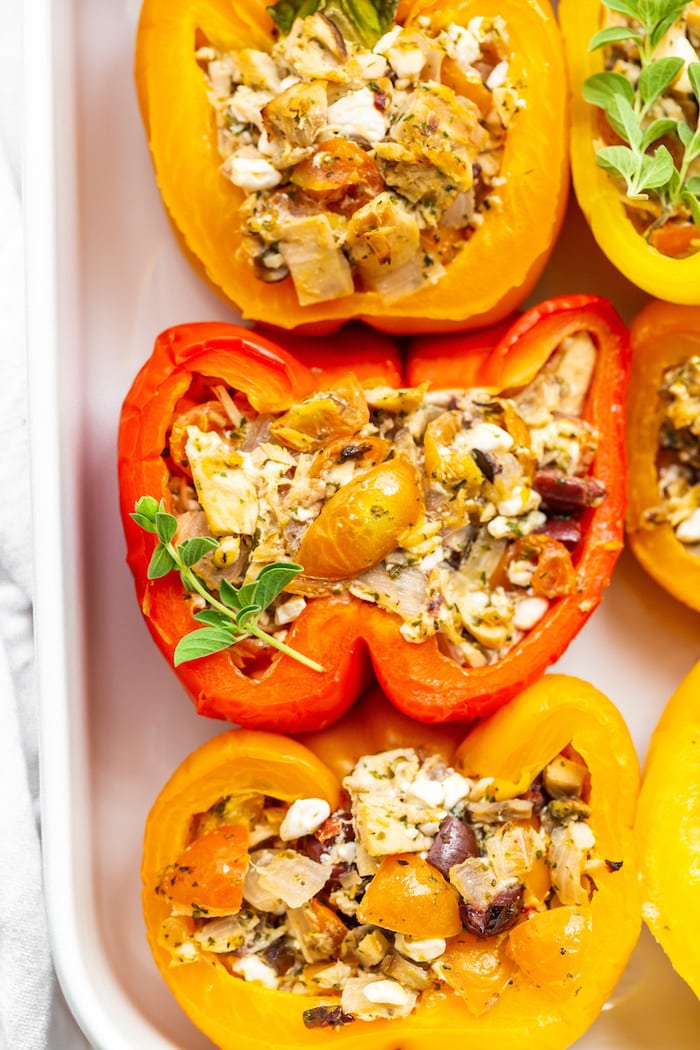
344,634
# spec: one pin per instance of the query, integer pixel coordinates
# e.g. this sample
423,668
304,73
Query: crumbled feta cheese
489,438
689,530
456,787
521,499
288,611
528,612
252,173
303,816
420,950
347,852
385,42
253,969
497,76
355,114
428,791
389,992
581,835
460,44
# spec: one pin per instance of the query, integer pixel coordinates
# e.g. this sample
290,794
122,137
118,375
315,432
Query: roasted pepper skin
511,745
338,630
663,335
675,280
495,271
668,823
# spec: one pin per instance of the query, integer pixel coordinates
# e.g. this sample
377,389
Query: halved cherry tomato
445,458
210,871
207,416
551,947
363,521
554,573
339,172
339,411
476,968
410,896
676,240
368,451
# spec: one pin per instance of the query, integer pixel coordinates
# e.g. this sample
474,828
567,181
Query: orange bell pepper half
493,272
542,982
340,631
663,337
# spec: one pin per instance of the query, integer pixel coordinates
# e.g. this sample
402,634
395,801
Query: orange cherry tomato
410,896
476,968
554,573
363,521
327,415
445,459
551,947
339,172
209,873
367,452
208,416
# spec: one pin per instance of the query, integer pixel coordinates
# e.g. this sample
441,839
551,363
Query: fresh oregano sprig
627,109
232,616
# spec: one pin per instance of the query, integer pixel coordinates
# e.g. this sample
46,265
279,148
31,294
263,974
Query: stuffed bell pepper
668,831
635,137
381,883
663,516
330,159
461,524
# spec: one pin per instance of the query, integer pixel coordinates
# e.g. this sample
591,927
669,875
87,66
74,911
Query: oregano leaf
601,88
694,77
204,642
272,580
656,170
161,563
656,77
229,595
624,121
690,199
619,161
613,35
145,522
623,7
213,618
656,130
693,185
246,614
195,548
166,526
145,510
663,22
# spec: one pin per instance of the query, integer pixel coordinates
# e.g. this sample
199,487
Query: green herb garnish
363,21
627,108
232,616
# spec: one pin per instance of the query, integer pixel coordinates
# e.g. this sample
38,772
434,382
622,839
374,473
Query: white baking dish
105,275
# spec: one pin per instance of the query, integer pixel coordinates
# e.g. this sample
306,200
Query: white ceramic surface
105,275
